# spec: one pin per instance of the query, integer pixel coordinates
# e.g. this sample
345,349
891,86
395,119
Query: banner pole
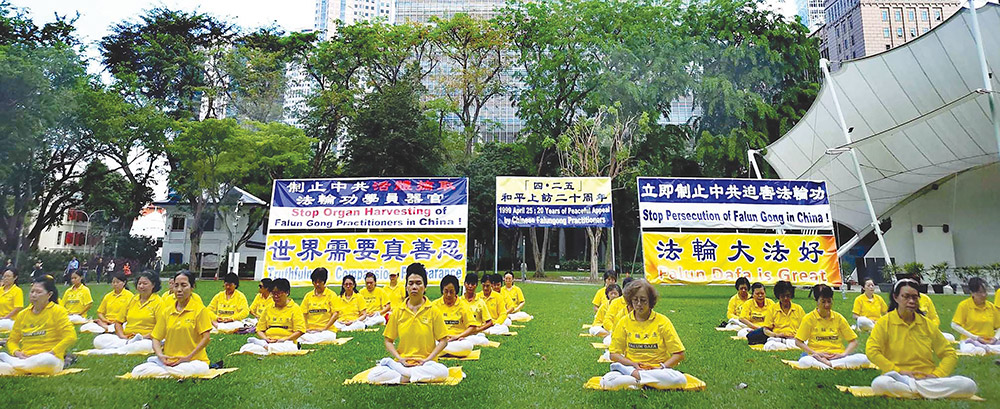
496,242
614,266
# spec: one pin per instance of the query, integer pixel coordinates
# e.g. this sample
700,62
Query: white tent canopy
918,112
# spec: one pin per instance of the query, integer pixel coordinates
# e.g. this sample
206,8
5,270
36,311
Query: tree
494,159
392,137
256,67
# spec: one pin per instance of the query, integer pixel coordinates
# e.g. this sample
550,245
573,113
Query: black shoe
69,360
217,365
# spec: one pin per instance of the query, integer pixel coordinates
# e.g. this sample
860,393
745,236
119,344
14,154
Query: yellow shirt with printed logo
49,330
234,307
784,322
318,309
113,305
980,321
754,313
375,300
616,311
650,342
77,300
140,317
480,312
496,305
350,308
897,346
825,334
872,309
457,317
513,294
417,332
181,331
171,299
282,322
735,306
260,304
10,299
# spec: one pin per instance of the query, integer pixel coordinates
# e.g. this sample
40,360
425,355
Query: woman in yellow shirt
496,305
868,307
77,299
396,291
754,310
480,311
777,332
978,321
112,308
904,345
377,303
280,326
735,305
612,292
41,334
11,300
351,306
600,297
617,309
823,333
263,298
229,306
319,308
515,299
133,336
644,347
181,335
462,325
422,335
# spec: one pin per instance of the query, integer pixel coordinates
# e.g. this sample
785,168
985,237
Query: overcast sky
96,16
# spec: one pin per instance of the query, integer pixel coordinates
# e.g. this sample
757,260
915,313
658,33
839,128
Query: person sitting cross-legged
41,333
280,326
822,335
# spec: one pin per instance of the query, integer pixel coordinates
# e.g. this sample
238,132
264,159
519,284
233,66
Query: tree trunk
539,254
594,236
609,260
197,228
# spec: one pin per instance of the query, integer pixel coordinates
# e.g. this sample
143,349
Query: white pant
978,348
374,320
318,337
497,330
110,344
734,324
41,364
848,362
947,336
598,330
230,326
389,371
742,333
93,328
520,315
658,378
258,346
507,321
478,339
780,344
901,386
607,340
865,323
153,368
6,324
460,348
356,326
77,319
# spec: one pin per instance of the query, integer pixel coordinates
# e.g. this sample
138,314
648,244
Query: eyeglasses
912,297
640,301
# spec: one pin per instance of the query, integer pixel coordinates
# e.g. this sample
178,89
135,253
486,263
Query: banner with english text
553,201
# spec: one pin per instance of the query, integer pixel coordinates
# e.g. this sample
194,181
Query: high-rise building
421,11
347,12
812,13
858,28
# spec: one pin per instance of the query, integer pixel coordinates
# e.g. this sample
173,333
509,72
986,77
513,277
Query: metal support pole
988,86
614,266
825,65
753,163
496,243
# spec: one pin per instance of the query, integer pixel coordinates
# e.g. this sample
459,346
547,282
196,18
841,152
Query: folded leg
598,330
374,320
851,361
356,326
318,337
950,387
807,361
109,341
661,378
616,380
428,372
865,323
459,348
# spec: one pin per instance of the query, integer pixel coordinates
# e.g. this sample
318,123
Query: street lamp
86,235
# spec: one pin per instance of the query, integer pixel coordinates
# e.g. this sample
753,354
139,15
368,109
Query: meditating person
41,333
263,298
168,297
77,299
319,308
904,346
462,327
754,310
377,303
612,291
11,299
600,297
515,298
644,345
229,305
133,336
112,308
782,321
422,335
978,321
396,290
351,306
496,306
480,311
180,336
280,326
617,309
823,333
735,306
868,307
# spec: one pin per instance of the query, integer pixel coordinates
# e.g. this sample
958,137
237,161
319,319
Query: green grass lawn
544,366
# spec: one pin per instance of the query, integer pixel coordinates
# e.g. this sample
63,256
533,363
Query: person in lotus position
281,325
463,325
351,307
112,308
319,308
377,302
868,307
180,336
822,335
77,299
229,305
735,306
781,322
978,321
600,297
134,335
41,334
612,292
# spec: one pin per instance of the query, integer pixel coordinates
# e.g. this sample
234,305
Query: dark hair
497,279
344,281
319,274
267,283
418,270
625,283
976,284
186,273
906,282
742,281
487,278
757,285
372,275
49,284
821,291
509,272
231,278
784,287
282,284
611,274
76,271
867,280
155,281
610,288
120,276
471,278
450,279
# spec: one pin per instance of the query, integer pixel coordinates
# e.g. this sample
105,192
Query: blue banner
732,191
370,192
554,216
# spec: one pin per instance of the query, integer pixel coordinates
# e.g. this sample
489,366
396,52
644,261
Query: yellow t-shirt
602,312
397,294
872,309
234,307
649,342
897,346
735,306
784,322
77,300
317,309
480,311
374,300
49,330
282,322
350,309
616,310
927,306
496,305
181,331
600,297
825,334
752,312
418,332
980,321
10,299
259,304
140,318
513,294
113,305
171,300
457,318
996,297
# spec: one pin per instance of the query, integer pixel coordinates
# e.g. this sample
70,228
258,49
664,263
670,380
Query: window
885,33
59,238
913,33
899,32
80,240
911,14
177,223
175,258
208,222
885,14
937,14
897,15
852,40
850,24
69,239
923,15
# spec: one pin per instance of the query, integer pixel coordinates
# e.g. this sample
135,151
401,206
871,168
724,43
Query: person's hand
835,356
664,366
822,358
21,355
988,341
170,360
312,331
411,362
644,366
271,340
918,374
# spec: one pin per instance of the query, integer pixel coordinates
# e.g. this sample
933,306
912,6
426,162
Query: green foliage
494,159
109,192
940,272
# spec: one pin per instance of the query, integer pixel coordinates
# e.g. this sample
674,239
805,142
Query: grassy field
544,366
